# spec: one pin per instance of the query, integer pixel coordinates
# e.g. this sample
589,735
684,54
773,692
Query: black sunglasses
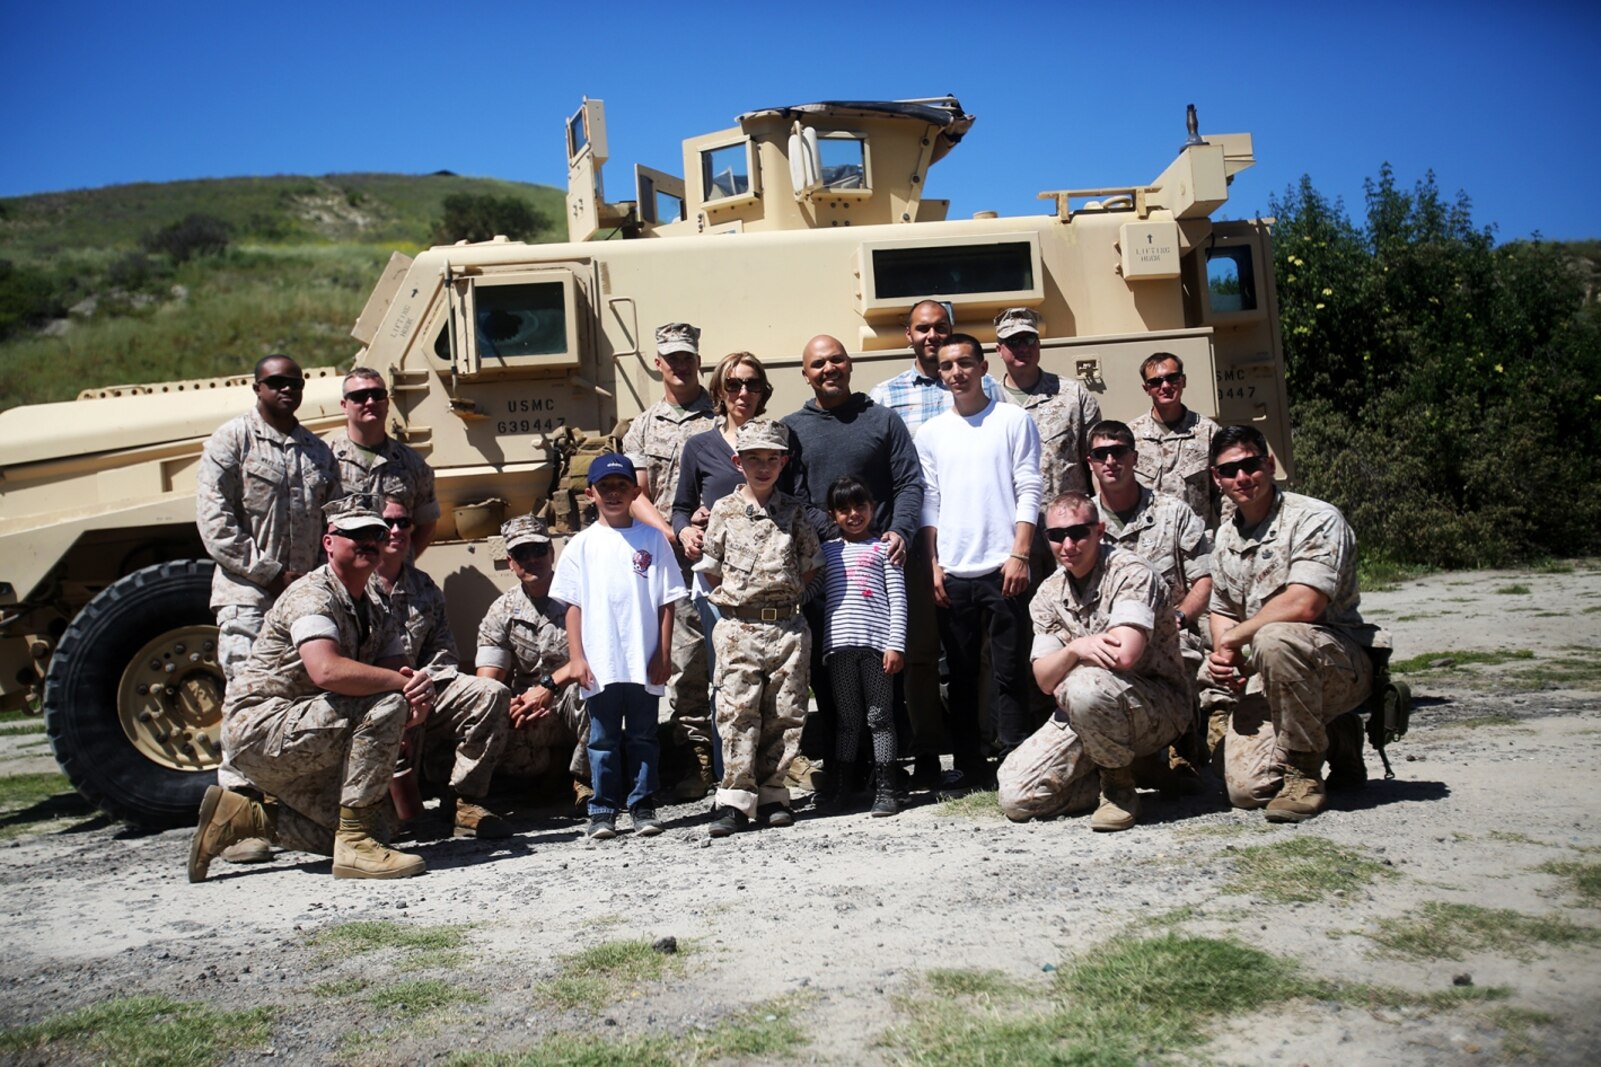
1078,532
1176,378
532,551
399,522
742,385
1106,452
1249,465
367,535
361,396
279,382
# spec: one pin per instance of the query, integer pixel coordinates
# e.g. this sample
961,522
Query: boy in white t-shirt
619,580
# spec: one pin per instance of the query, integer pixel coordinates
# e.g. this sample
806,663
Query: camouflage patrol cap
677,337
357,511
524,530
762,433
1016,320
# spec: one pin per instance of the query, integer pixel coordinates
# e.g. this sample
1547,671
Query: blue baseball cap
611,463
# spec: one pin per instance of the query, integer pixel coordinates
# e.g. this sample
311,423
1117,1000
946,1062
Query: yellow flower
1498,369
1319,307
1328,292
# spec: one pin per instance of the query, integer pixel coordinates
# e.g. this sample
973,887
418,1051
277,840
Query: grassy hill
84,304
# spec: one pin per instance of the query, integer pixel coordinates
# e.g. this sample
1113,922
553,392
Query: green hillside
88,298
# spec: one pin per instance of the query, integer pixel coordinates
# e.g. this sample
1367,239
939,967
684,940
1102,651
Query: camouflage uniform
258,504
1177,462
1104,718
313,750
1063,412
469,714
763,667
390,470
655,442
1169,535
527,638
1301,675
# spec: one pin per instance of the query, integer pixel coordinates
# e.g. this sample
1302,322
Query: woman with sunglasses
706,473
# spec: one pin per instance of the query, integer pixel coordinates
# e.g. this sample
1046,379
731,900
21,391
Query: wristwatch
548,681
1182,619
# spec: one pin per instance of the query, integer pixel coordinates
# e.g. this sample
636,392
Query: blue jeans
622,747
708,622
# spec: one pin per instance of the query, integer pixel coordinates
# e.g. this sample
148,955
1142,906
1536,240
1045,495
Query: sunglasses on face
361,396
1176,378
1250,465
1077,532
1021,340
526,554
367,535
1106,452
742,385
279,383
399,522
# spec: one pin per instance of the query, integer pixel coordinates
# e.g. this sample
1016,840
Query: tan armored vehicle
797,221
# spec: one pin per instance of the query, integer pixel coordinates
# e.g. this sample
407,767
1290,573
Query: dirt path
946,934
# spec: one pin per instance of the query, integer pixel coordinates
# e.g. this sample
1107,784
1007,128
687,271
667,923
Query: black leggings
862,690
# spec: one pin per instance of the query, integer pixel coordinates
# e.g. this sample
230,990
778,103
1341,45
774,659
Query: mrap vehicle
797,221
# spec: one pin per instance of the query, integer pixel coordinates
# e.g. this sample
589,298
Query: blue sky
1498,99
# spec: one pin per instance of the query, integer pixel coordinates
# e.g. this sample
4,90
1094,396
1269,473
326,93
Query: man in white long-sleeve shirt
981,498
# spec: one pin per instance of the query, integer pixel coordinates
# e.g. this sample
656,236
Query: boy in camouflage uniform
1106,645
760,554
316,715
522,641
468,725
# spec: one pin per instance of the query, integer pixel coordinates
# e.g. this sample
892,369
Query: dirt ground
853,940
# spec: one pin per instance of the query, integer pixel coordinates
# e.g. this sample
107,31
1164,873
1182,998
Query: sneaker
775,815
728,821
603,826
645,822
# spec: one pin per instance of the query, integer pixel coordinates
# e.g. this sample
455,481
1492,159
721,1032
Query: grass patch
1583,879
436,961
340,988
1382,576
145,1030
1518,1045
1424,661
763,1031
375,935
1486,720
953,982
1449,931
1571,672
30,803
1551,566
1302,868
422,995
1415,616
600,975
985,804
1593,609
1515,589
1227,829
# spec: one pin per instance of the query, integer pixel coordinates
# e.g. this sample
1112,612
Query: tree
481,216
196,234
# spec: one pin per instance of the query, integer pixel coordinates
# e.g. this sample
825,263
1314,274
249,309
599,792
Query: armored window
902,273
1230,279
842,160
515,324
726,172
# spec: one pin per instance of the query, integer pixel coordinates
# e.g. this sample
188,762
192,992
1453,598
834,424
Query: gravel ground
840,920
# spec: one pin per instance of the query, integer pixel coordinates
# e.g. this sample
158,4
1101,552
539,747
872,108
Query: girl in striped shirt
864,639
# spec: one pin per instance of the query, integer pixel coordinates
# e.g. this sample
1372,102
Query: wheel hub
170,700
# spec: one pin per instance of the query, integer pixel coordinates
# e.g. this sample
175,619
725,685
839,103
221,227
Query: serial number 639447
530,425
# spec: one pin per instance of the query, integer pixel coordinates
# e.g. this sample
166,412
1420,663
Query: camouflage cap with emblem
677,337
524,530
1016,320
356,511
762,433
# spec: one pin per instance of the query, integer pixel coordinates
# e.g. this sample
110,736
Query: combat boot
358,854
885,802
472,819
1120,801
226,818
804,775
1346,769
833,791
250,850
582,795
699,781
1301,796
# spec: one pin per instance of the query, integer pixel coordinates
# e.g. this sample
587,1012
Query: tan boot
250,850
803,774
1120,803
475,820
699,781
357,854
1301,796
226,818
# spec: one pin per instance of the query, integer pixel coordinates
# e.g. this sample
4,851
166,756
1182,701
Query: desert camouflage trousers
1112,719
762,677
319,754
462,741
689,686
532,749
1302,677
238,626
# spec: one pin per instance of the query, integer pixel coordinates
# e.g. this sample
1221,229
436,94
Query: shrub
196,234
27,296
478,217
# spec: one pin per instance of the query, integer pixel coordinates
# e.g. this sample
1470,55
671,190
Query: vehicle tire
131,689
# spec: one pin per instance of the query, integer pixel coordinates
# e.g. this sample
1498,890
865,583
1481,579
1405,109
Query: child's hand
661,667
893,662
580,668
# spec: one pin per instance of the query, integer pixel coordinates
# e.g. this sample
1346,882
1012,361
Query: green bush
196,234
1443,390
479,217
28,296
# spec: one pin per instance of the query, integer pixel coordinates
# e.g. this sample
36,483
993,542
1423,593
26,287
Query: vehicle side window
1230,281
725,171
843,162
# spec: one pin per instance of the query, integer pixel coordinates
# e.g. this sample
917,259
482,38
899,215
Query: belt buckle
769,614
